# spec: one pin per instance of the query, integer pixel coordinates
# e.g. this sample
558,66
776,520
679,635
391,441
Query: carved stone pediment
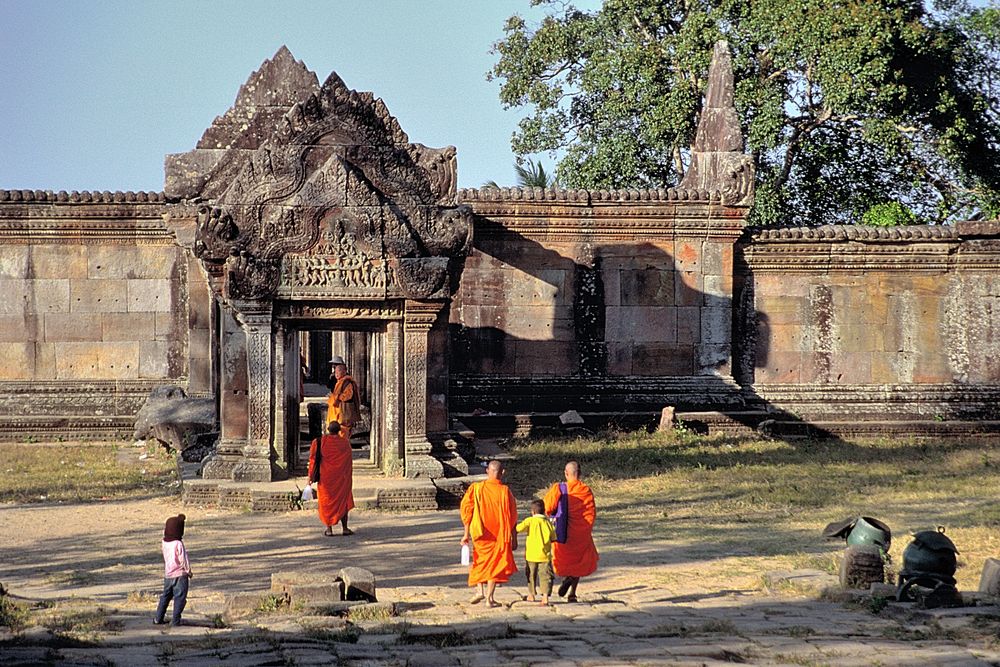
332,201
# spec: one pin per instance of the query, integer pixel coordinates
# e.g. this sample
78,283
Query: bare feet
544,602
493,603
531,598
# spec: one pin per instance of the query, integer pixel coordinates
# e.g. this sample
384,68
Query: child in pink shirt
177,571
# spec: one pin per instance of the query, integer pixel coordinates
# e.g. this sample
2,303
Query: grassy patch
12,614
370,613
763,502
270,604
78,621
80,472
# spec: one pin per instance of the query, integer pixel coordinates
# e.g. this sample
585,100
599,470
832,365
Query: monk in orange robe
334,478
493,553
344,391
578,556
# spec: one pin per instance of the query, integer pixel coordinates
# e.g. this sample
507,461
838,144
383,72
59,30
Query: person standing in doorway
344,404
331,467
577,556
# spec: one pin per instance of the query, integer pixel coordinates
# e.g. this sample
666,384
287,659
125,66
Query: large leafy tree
852,109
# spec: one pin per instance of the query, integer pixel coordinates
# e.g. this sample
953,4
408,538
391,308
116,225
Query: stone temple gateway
304,214
319,211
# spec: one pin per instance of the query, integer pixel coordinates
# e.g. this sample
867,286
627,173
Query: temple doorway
307,349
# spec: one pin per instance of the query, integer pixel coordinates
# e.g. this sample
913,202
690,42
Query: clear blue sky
94,94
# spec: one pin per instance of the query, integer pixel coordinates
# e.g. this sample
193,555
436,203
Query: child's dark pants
540,577
176,588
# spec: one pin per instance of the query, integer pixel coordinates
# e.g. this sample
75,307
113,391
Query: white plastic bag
466,555
307,493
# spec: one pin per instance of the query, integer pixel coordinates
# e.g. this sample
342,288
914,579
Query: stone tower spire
718,163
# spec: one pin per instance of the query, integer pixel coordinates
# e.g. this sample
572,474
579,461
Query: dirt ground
650,602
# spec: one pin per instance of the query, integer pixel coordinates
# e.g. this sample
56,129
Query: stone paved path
642,608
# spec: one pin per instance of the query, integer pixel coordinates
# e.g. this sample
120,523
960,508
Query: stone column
232,397
419,317
393,453
256,463
281,390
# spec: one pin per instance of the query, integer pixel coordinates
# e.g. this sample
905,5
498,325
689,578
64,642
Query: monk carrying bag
562,515
476,527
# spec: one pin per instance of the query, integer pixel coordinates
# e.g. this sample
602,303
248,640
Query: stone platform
372,490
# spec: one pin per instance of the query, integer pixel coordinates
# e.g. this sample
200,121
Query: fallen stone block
882,590
989,582
666,419
245,605
359,584
316,593
175,420
571,418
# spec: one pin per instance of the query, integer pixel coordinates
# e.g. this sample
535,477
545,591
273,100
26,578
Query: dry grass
761,504
80,472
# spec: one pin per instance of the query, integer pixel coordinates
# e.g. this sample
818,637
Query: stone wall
94,312
603,302
872,324
595,300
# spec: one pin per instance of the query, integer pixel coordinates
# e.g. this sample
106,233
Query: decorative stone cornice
74,197
845,233
587,197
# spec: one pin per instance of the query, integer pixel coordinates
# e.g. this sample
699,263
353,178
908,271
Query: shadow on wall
604,327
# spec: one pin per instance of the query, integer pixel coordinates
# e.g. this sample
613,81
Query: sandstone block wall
868,323
94,311
597,300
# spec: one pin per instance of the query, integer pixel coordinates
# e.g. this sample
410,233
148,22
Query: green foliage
888,214
270,603
844,105
12,614
530,174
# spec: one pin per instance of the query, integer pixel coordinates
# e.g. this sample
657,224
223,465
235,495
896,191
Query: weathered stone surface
989,582
359,584
172,418
666,419
861,566
149,295
571,418
17,360
98,296
315,594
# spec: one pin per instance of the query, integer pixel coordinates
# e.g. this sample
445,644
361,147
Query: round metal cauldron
869,531
930,552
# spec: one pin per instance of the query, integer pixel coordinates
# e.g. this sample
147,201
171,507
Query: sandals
477,598
347,531
493,603
328,532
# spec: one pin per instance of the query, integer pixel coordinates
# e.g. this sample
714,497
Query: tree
846,106
529,175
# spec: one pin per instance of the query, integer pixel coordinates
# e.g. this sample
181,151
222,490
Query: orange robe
492,555
342,391
336,478
578,556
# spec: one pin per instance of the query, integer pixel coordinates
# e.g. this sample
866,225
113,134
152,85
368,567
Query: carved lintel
421,315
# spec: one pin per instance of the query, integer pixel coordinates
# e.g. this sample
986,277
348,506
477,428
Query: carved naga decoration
333,173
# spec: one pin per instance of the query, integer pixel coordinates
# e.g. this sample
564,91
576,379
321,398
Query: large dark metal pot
930,552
